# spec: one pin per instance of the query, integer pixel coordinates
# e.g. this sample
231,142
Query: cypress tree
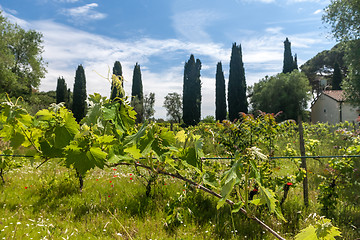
237,101
61,91
295,63
336,78
115,91
192,92
137,94
220,98
288,59
79,94
117,69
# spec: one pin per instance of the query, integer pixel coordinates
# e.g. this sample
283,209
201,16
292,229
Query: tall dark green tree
137,99
237,100
288,58
295,63
337,77
192,92
117,91
220,98
79,94
61,91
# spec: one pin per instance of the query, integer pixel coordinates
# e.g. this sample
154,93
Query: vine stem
205,189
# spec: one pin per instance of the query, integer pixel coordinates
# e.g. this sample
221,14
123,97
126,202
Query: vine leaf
268,196
237,207
180,136
84,161
65,132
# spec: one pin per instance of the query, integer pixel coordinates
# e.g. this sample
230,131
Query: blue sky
161,34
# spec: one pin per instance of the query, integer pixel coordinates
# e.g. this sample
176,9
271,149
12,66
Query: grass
46,203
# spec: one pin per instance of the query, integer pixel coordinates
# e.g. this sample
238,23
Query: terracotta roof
337,95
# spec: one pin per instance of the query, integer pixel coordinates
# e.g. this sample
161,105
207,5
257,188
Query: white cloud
318,11
191,24
274,30
83,14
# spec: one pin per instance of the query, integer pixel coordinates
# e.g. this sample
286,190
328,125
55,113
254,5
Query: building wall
327,109
350,113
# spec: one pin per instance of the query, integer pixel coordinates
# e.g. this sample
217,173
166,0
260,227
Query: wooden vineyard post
303,162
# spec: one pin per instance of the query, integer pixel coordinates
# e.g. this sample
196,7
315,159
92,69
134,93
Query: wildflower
164,183
112,185
115,176
109,196
110,181
25,187
131,178
289,183
130,174
97,179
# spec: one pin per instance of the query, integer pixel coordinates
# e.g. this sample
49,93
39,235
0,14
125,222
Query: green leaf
133,151
106,140
237,207
48,151
325,230
180,136
307,234
66,132
96,156
268,196
228,187
84,161
256,202
93,114
209,178
220,203
136,137
189,159
17,139
45,115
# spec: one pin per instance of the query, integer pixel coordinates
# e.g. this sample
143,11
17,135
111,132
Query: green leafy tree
192,92
137,100
173,106
288,93
220,98
321,66
115,90
344,19
149,102
61,91
343,16
337,77
289,62
22,65
79,95
237,100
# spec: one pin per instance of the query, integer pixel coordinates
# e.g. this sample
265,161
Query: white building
330,107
